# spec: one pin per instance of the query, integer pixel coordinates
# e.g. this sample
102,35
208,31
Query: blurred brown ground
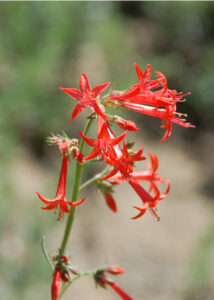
155,254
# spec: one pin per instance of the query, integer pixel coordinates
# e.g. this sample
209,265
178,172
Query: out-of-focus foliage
47,45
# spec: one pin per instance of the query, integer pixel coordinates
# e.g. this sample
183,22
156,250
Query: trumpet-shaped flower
153,98
168,116
60,200
148,175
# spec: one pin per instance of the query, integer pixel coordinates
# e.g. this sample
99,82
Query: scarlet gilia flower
102,279
56,284
167,114
149,202
153,98
60,200
86,97
102,145
149,175
124,162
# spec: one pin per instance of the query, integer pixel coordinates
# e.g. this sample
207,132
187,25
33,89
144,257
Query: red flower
56,284
153,98
123,163
102,279
148,175
102,145
119,291
86,97
60,200
144,79
168,115
149,202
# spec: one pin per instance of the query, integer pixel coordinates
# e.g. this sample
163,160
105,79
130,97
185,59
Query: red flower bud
64,258
125,124
63,146
56,285
115,270
65,276
78,155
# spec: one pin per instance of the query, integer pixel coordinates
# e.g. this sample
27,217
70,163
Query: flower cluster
148,96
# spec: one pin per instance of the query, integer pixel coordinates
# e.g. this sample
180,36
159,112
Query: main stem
78,173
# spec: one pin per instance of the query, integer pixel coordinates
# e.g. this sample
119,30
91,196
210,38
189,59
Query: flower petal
84,84
118,139
76,203
51,206
96,91
77,110
110,202
44,199
74,93
119,291
89,141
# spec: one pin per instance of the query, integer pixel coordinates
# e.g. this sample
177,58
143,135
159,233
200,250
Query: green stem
92,180
78,276
46,253
78,173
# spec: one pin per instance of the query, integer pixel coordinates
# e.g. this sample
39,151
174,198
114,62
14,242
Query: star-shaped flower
86,97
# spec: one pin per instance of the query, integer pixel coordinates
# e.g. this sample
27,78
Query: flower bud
63,146
65,275
56,285
115,270
125,124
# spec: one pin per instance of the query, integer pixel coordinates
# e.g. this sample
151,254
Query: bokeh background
47,45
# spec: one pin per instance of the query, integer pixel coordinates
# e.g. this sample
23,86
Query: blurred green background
47,45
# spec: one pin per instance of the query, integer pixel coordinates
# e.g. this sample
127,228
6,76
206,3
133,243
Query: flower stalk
77,179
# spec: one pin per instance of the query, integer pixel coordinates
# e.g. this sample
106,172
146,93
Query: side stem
78,173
